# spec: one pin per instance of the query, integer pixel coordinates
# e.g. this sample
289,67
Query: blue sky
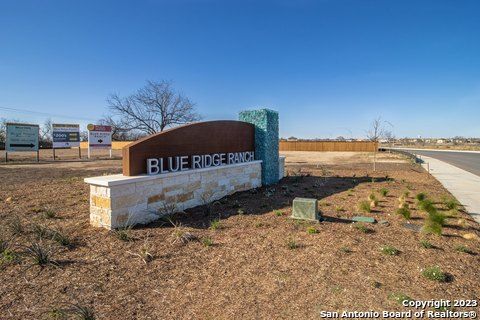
329,67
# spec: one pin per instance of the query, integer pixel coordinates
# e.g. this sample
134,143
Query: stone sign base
118,200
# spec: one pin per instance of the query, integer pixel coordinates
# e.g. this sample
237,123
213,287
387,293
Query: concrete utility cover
384,223
364,219
412,227
306,209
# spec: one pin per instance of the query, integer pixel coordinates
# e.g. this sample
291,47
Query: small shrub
258,224
421,196
372,197
361,227
40,255
434,273
215,224
405,212
6,252
390,251
49,214
207,242
241,211
464,249
384,192
399,297
278,213
426,244
406,194
312,230
345,250
365,206
292,244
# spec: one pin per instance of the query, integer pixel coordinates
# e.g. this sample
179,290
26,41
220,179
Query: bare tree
375,133
45,138
152,108
389,136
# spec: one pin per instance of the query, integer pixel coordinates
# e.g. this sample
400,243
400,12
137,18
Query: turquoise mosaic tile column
266,141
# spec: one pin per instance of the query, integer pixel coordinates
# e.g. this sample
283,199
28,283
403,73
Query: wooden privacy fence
358,146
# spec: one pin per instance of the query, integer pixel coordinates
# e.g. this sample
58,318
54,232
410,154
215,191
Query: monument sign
186,166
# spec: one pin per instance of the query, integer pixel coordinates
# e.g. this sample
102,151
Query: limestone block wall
118,200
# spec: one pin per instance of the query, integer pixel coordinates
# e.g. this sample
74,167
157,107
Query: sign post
99,137
65,136
22,137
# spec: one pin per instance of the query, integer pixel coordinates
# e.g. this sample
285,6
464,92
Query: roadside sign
22,137
66,135
99,137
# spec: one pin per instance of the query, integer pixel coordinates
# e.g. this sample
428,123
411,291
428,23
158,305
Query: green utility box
306,209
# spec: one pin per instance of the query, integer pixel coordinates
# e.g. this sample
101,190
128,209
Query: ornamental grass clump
464,249
451,203
421,196
365,206
40,255
312,230
427,206
426,244
434,222
435,274
384,192
404,212
390,251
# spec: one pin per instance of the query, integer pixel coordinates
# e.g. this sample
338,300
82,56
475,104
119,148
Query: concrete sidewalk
465,186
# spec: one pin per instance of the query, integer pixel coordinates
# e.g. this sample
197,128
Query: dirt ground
256,263
46,155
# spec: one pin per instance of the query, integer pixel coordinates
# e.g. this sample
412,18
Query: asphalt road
468,161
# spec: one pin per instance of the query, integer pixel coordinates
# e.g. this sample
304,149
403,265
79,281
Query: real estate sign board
66,135
99,136
22,137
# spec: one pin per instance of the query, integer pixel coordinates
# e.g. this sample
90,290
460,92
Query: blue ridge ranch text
182,163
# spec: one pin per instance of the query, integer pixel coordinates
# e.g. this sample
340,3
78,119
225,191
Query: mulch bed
260,264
